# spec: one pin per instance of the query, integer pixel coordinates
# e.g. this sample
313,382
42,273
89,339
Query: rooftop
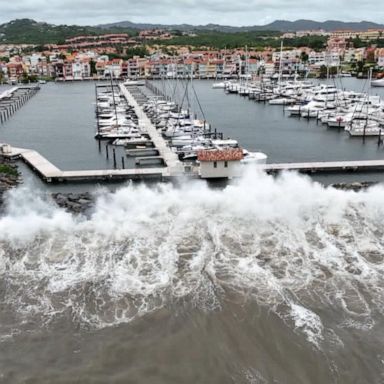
229,154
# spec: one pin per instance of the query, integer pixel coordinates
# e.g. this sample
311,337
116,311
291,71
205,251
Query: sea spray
286,243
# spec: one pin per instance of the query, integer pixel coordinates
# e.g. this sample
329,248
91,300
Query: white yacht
377,83
221,84
253,157
136,83
364,128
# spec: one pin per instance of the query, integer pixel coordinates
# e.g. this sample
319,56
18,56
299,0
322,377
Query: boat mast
280,64
246,66
113,94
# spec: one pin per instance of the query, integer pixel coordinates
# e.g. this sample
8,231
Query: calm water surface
59,122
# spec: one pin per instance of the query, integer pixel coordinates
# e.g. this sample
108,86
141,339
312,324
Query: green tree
25,78
360,65
358,43
323,72
304,57
92,64
371,56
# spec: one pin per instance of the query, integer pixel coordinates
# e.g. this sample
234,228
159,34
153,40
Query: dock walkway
171,160
327,166
50,173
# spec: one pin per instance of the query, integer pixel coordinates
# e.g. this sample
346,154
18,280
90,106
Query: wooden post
106,152
114,158
123,162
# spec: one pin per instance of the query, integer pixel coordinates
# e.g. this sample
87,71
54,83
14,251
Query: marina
358,113
150,156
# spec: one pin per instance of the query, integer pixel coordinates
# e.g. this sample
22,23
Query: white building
220,163
330,58
269,69
81,70
113,69
289,55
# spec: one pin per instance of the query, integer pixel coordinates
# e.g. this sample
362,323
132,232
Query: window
225,164
215,164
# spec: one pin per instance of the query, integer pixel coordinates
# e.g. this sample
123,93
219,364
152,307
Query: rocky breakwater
78,203
9,178
356,186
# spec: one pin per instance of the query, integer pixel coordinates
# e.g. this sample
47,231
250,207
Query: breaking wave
286,243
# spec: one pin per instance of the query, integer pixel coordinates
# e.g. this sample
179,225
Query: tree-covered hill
27,31
254,39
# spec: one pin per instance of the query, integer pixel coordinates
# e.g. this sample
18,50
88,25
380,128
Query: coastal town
144,56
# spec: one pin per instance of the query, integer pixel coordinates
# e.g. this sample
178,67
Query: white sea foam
308,322
284,241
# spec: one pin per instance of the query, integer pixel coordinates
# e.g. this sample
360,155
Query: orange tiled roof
230,154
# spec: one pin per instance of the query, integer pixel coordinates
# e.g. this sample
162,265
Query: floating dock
142,152
13,99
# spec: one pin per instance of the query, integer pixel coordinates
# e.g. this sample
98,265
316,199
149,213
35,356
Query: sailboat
366,126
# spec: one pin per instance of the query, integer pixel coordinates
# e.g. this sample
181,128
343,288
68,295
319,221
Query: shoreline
83,202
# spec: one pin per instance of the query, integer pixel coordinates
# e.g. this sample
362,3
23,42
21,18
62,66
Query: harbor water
267,280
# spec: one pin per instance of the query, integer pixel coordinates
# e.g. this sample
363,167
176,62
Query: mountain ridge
28,31
277,25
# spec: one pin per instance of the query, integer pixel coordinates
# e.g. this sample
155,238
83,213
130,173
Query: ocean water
269,280
264,280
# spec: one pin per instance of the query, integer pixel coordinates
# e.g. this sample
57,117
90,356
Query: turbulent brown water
265,281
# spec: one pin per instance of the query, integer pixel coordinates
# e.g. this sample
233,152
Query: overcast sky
234,12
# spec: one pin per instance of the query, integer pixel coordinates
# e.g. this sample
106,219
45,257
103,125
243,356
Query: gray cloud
240,12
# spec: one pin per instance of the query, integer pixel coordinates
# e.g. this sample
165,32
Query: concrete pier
327,166
171,160
50,173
